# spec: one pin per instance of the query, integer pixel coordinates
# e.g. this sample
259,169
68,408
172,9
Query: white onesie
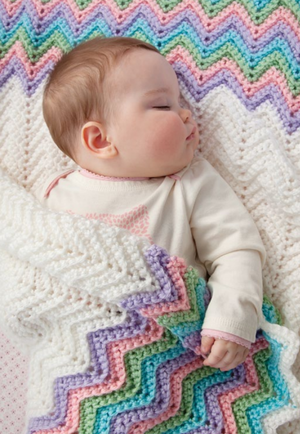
193,214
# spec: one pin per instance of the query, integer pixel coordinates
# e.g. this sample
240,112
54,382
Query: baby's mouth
192,135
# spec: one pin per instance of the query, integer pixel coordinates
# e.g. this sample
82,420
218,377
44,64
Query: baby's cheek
163,148
168,136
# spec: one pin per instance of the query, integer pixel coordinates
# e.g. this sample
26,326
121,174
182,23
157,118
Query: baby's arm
229,246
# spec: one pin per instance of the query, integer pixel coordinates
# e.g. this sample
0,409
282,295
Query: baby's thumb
206,344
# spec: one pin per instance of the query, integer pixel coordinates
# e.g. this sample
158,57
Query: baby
113,105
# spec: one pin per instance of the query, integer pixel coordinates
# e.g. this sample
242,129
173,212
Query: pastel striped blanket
145,374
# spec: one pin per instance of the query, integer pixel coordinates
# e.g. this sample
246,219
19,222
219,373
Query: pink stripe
32,69
280,14
251,385
176,268
114,381
175,398
272,76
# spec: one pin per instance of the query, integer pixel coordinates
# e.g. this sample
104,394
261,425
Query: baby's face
155,136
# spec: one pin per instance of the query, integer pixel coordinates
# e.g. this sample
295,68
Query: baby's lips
190,136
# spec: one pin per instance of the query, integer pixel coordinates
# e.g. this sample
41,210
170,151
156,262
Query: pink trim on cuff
226,336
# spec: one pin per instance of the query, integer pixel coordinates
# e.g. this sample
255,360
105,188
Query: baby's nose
186,114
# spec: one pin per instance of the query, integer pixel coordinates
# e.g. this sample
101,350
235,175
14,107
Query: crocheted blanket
145,374
94,366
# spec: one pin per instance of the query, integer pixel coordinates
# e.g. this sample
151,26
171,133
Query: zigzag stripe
276,391
158,261
174,417
164,403
226,400
208,9
205,395
180,305
269,93
254,96
175,268
213,421
280,23
244,403
108,361
275,386
229,41
196,411
254,73
165,375
207,391
176,403
261,63
270,77
33,72
133,362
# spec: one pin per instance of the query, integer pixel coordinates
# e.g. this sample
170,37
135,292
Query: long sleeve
230,247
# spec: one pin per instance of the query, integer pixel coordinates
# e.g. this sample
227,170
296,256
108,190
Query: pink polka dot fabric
13,385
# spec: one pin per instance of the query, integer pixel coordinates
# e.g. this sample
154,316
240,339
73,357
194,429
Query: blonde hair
74,92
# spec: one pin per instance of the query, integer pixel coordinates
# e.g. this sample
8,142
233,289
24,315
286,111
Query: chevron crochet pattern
145,375
109,325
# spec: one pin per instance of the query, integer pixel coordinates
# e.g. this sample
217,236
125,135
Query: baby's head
113,106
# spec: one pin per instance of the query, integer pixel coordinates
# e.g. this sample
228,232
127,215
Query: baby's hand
222,354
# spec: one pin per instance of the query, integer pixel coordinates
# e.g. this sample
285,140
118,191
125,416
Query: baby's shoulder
199,168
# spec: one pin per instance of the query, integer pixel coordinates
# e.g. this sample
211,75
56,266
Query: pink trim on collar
92,175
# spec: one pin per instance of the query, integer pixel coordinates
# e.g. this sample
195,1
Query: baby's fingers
217,354
226,355
206,344
239,358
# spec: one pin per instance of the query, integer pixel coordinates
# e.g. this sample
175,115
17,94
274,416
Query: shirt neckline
92,175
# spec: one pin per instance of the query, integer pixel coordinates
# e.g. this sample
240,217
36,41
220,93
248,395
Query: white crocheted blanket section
58,272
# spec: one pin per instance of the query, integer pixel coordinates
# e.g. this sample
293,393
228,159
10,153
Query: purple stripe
96,374
16,68
270,93
193,340
121,423
214,422
158,260
282,30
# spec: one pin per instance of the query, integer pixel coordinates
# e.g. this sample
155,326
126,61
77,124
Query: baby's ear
94,139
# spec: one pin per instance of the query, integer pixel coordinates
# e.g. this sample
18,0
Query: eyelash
162,107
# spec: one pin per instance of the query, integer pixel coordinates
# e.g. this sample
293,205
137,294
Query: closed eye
162,107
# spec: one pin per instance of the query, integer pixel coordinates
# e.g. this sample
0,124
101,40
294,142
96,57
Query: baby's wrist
216,334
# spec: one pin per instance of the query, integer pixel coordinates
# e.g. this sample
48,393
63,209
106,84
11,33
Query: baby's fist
224,355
